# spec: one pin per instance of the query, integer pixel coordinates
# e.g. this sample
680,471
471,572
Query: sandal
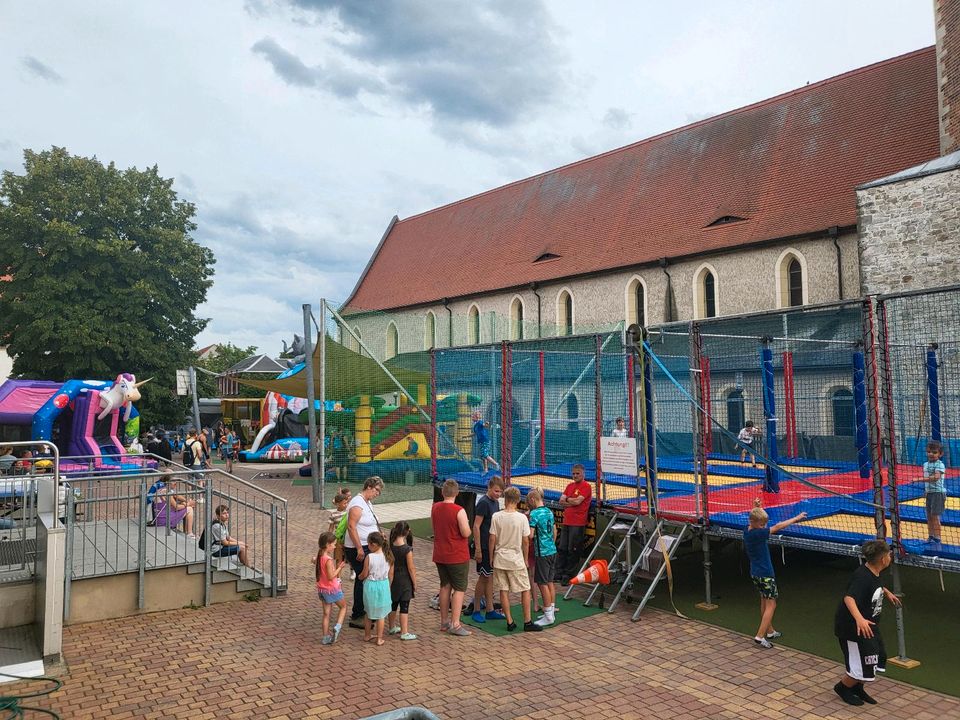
444,627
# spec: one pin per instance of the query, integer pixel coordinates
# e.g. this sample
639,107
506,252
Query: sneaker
774,635
511,627
861,692
763,642
444,627
336,634
327,640
478,617
847,694
408,636
459,631
496,615
531,627
395,630
357,623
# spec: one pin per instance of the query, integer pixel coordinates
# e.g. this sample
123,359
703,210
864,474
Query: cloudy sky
300,127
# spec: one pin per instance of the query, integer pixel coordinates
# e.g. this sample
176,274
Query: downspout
533,289
668,305
833,233
446,306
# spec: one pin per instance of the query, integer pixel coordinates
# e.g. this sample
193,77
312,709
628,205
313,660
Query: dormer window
546,256
726,220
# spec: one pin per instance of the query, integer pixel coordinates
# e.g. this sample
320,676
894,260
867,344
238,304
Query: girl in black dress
403,580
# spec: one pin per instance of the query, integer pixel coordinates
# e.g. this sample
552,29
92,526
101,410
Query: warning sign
619,455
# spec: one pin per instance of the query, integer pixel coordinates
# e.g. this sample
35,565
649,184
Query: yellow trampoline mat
791,468
863,525
953,503
557,484
712,480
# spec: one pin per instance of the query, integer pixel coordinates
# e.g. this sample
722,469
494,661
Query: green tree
104,276
226,357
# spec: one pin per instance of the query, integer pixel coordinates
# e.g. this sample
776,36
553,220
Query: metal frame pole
598,416
933,390
196,402
434,429
543,411
311,399
650,429
771,474
322,429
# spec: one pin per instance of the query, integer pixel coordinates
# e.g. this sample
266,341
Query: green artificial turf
811,585
567,610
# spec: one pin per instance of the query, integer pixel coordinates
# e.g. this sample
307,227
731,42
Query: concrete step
227,570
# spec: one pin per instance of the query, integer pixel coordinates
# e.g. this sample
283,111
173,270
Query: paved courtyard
264,660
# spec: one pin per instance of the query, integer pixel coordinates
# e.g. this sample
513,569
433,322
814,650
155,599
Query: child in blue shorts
755,539
328,586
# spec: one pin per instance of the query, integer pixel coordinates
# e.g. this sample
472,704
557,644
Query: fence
121,524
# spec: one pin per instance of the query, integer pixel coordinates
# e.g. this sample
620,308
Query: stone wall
910,233
947,19
746,282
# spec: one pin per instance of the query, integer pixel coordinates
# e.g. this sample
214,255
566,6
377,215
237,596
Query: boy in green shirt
544,553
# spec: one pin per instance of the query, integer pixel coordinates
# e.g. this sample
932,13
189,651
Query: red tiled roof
789,165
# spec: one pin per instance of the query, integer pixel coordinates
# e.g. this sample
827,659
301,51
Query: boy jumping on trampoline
855,624
755,540
746,437
481,435
935,490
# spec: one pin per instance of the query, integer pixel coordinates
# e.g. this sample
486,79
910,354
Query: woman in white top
361,521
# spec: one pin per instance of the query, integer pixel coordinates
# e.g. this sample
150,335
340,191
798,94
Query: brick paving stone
264,660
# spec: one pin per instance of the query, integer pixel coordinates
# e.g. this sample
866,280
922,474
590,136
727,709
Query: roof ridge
668,133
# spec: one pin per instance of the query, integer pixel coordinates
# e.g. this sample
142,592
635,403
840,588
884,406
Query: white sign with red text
618,455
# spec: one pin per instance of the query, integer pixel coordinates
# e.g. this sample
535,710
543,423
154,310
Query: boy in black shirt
855,624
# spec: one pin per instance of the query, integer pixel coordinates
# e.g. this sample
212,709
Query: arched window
844,419
393,341
705,293
473,326
565,313
573,412
791,279
735,412
516,319
430,331
636,303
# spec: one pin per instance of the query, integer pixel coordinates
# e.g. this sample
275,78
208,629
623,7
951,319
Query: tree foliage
104,275
225,357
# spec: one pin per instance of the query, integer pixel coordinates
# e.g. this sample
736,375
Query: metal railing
19,483
119,523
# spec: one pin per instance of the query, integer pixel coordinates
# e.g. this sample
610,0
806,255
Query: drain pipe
533,289
446,306
833,233
668,305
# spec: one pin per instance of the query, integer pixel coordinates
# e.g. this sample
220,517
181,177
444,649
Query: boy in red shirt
451,554
575,502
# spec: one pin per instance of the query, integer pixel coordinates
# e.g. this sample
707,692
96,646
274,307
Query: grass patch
811,585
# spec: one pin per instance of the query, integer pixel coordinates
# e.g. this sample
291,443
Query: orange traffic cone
595,572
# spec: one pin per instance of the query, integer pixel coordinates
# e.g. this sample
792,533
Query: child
403,580
761,568
328,587
620,430
855,624
509,543
935,490
545,553
376,587
746,437
338,522
481,434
